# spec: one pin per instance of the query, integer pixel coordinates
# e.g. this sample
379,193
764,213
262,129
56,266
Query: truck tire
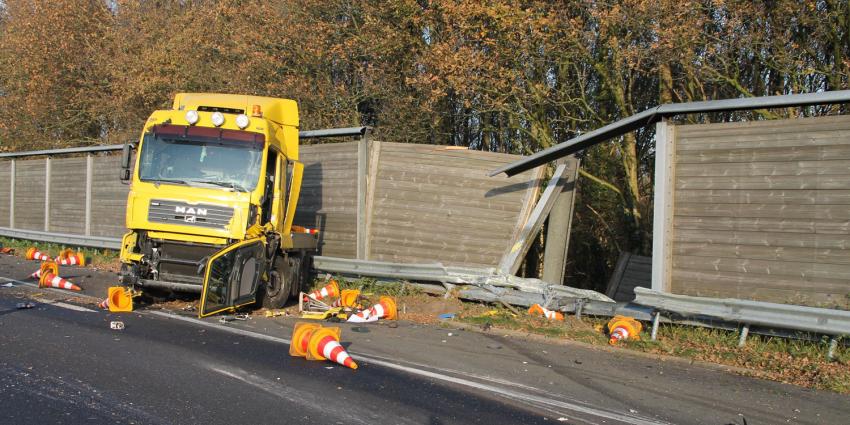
283,280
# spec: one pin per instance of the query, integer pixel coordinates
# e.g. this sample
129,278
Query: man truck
212,200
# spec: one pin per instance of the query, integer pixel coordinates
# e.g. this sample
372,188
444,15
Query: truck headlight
192,117
242,121
217,119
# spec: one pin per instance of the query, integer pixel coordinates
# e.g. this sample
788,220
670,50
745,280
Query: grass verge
106,258
790,361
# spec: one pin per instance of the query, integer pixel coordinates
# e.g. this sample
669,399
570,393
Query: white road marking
531,399
65,305
534,400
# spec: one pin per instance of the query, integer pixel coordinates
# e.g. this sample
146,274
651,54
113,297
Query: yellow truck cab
212,199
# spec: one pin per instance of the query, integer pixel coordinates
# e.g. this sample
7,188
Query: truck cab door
232,276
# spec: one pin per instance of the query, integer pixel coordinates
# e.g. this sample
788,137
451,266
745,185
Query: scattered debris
232,317
360,329
447,316
189,307
116,325
7,285
315,342
276,313
623,328
26,305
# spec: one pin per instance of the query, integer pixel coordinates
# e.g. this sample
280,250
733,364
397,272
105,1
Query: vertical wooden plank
12,195
89,172
662,231
560,225
47,194
371,184
617,276
362,172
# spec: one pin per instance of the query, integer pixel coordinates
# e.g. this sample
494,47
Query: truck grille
202,215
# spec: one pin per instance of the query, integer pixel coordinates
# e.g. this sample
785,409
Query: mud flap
232,276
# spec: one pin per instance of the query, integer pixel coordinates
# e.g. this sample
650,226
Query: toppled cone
34,254
70,258
384,309
46,267
8,251
347,298
50,280
330,290
118,299
315,342
622,328
545,312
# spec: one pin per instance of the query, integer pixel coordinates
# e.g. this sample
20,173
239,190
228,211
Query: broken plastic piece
116,326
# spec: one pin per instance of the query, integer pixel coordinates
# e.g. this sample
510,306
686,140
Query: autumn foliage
507,76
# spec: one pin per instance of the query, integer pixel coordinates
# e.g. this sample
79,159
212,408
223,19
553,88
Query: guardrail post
662,230
12,195
89,172
656,318
833,345
47,194
742,340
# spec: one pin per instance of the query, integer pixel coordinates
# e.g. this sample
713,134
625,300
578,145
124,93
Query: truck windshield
200,161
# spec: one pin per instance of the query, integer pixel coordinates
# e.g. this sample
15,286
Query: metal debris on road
8,285
25,305
116,326
230,318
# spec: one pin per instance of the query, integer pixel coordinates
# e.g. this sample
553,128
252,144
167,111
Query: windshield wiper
230,185
157,182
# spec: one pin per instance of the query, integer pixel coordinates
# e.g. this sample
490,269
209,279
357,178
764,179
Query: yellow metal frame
217,255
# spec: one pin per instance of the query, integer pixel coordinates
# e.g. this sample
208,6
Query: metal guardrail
782,316
653,115
62,238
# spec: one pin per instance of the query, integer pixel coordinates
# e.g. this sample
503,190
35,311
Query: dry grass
104,259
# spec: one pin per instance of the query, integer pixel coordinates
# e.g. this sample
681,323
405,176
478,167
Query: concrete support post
12,195
47,194
558,228
662,230
362,172
89,175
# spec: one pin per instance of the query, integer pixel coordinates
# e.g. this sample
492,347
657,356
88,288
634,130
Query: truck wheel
284,280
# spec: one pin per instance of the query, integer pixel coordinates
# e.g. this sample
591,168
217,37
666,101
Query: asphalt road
65,366
59,364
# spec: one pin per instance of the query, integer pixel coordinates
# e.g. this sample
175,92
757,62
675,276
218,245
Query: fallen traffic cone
70,258
384,309
324,345
347,298
119,299
545,312
330,290
622,328
34,254
103,305
301,335
46,267
50,280
8,251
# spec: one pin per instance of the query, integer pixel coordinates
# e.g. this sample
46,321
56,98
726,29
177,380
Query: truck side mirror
125,162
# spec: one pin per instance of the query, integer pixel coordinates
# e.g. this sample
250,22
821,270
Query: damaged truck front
212,199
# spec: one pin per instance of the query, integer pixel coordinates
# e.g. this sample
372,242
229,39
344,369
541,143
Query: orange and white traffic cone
301,335
103,305
50,280
384,309
347,298
34,254
46,267
302,229
330,290
324,345
70,258
545,312
623,328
